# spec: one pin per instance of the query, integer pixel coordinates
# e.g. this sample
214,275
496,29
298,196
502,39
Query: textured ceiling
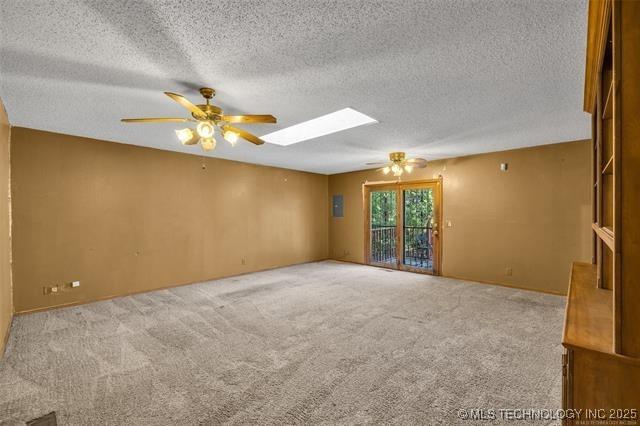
444,78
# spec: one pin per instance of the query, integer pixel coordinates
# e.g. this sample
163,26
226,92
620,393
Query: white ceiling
444,78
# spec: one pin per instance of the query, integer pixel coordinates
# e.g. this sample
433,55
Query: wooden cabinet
594,376
601,365
602,387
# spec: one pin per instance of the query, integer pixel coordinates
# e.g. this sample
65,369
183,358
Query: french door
402,225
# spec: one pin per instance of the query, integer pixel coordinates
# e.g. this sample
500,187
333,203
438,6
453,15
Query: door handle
434,226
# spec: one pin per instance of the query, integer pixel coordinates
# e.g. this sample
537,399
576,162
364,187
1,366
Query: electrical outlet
243,261
50,290
65,287
508,271
61,288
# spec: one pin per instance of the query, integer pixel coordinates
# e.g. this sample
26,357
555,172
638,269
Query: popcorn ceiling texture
445,78
321,343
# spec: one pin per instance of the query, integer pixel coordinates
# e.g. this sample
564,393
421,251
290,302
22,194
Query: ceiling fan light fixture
205,129
399,164
231,137
187,136
208,144
208,117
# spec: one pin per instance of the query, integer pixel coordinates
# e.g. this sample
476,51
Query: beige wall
6,305
533,218
124,219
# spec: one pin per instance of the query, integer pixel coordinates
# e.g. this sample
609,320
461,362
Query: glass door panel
383,238
417,228
401,225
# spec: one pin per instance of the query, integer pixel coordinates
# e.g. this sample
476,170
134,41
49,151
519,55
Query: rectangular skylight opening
343,119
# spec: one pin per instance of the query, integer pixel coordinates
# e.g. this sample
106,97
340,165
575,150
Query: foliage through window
418,207
383,209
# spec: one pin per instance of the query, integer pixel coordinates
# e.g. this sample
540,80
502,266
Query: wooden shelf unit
604,170
601,365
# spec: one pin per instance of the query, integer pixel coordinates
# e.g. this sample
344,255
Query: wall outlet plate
60,288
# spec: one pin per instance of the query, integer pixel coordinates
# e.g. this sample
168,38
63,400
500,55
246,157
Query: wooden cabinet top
589,313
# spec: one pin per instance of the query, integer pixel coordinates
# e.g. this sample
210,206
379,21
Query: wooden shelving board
605,233
608,103
608,168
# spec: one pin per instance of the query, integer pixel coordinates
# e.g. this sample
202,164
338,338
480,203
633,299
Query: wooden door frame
399,186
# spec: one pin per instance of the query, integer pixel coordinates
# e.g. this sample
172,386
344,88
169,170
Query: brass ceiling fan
209,117
398,164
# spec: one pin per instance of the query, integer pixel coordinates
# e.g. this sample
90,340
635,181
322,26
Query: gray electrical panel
337,204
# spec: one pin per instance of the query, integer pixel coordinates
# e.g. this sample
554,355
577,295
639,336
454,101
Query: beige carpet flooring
320,343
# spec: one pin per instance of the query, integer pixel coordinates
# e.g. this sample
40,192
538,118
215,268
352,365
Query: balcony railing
383,244
418,245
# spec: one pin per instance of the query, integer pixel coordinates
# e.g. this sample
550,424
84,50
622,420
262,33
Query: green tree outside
418,208
383,209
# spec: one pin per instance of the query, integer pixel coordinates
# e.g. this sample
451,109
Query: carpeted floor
326,342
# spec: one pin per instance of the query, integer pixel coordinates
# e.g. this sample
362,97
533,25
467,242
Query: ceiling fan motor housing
397,157
212,112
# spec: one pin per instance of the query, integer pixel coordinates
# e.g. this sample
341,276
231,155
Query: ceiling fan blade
267,118
420,163
377,163
243,134
197,112
155,120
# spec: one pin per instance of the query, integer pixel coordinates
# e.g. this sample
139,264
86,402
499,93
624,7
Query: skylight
324,125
